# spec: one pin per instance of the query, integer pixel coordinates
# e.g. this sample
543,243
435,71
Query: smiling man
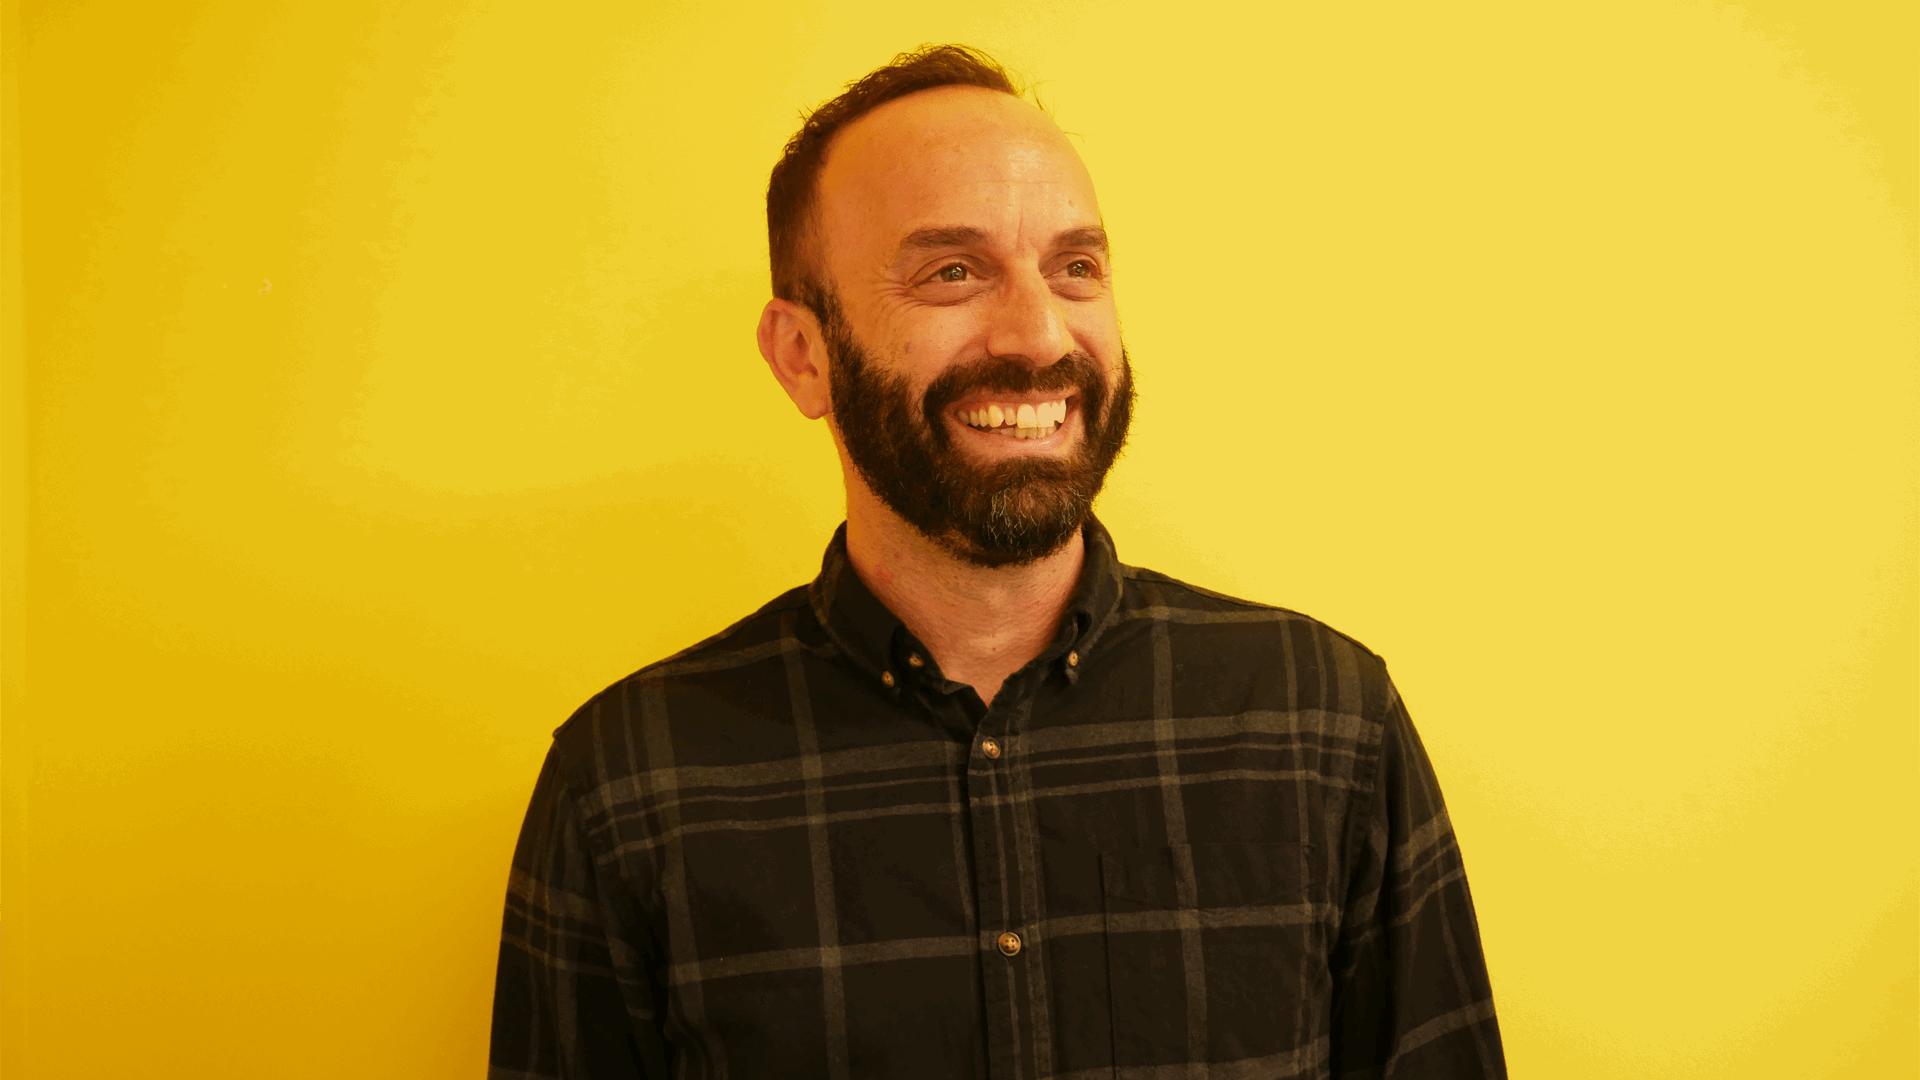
981,800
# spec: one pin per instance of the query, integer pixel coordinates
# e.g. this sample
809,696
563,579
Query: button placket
1001,884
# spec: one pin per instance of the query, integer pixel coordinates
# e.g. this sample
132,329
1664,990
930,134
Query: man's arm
573,998
1411,996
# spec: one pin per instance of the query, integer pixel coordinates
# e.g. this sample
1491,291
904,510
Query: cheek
1103,342
1096,326
935,335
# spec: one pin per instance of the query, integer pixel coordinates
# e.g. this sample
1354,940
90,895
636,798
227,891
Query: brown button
887,677
1009,943
913,659
1073,659
990,748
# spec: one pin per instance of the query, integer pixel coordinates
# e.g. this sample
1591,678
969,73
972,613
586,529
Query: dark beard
1000,514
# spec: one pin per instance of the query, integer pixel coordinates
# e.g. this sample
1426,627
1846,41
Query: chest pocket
1215,953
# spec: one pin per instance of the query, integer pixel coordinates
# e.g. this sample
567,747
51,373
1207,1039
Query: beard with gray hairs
989,514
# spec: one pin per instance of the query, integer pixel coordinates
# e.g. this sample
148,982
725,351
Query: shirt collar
875,638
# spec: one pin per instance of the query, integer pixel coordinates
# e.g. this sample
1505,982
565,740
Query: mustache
1015,375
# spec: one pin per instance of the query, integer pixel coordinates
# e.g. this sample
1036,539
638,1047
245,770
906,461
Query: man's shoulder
1150,593
1200,613
762,635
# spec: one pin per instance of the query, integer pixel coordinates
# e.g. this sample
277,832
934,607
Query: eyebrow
1091,236
941,236
948,236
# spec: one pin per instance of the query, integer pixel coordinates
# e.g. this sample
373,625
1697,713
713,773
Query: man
981,801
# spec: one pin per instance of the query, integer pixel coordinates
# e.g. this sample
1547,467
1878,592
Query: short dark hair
796,176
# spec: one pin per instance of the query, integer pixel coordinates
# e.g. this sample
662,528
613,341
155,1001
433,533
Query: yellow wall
1563,353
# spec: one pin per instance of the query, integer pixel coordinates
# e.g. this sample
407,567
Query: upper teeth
1044,415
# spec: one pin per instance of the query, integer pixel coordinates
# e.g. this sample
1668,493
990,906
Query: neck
981,624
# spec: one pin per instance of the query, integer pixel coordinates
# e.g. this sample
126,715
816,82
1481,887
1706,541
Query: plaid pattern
787,852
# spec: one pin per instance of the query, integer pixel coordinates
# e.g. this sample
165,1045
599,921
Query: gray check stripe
877,952
548,899
1193,961
1424,844
1308,1060
833,763
1344,734
1048,792
1415,905
1133,922
833,990
826,786
1214,830
1459,1019
678,832
910,763
736,810
673,877
1336,728
739,658
557,959
1161,614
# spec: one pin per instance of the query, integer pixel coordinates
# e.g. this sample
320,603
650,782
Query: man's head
942,285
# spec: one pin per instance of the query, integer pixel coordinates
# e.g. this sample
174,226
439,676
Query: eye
955,272
1080,268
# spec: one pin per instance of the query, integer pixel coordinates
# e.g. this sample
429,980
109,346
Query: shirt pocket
1215,954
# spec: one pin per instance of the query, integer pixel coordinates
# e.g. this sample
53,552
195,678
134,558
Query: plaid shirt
1196,836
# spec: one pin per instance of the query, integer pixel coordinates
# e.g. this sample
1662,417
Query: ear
790,340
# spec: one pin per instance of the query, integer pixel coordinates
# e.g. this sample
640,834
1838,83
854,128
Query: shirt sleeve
1411,994
576,995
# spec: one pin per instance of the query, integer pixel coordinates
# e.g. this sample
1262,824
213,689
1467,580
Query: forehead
957,155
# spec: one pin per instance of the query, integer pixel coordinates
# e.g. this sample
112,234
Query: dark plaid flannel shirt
789,852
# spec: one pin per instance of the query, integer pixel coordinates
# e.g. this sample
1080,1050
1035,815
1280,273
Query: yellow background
1563,353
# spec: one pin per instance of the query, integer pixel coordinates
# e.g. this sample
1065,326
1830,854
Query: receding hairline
934,237
794,231
880,113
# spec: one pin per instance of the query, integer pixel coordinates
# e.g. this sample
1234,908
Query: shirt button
887,677
1073,659
913,660
1009,943
990,748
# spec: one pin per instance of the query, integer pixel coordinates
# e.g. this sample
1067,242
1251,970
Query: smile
1019,421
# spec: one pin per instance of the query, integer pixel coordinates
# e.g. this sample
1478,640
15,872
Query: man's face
979,385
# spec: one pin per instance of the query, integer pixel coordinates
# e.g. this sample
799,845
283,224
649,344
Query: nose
1027,320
